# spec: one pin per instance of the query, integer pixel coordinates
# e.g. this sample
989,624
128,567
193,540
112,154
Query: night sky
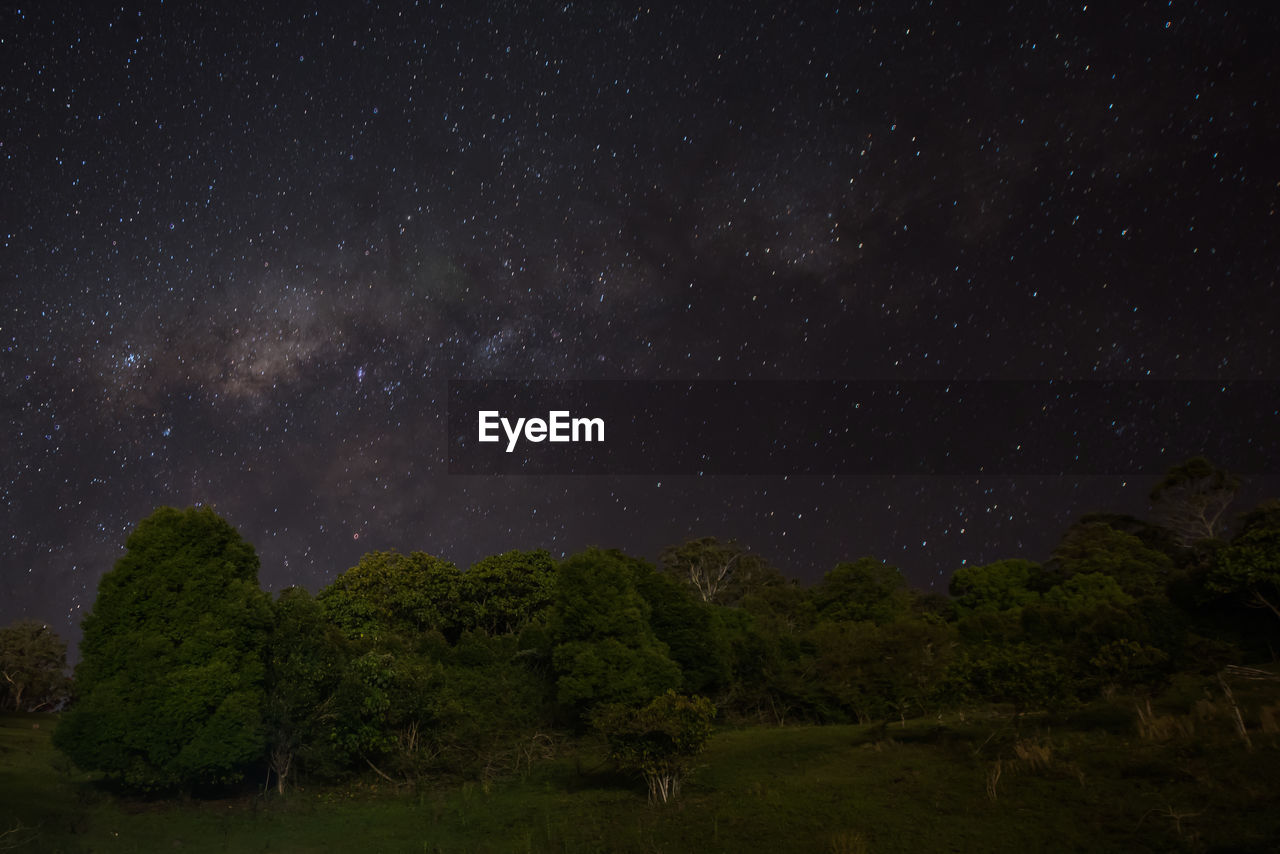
245,247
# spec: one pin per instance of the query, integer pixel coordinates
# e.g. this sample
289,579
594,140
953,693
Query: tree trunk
281,761
17,692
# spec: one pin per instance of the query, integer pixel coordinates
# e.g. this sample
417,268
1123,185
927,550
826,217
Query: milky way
244,250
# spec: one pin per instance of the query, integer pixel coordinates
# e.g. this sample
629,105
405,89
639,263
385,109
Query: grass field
1081,782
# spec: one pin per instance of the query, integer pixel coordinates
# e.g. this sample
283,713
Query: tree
502,593
1128,663
396,610
686,624
1265,515
494,699
387,708
388,593
998,586
170,681
305,659
1086,592
866,589
605,650
1098,548
870,671
1025,676
658,740
33,663
1192,499
722,573
1250,567
1152,535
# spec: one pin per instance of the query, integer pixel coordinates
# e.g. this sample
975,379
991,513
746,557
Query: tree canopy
606,650
1193,498
502,593
170,681
1250,567
33,663
997,586
865,589
408,668
388,593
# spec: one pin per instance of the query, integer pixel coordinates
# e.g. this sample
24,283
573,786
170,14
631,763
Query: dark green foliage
1128,663
1024,676
865,589
756,666
406,669
1250,567
788,607
1153,536
1097,548
385,711
907,790
998,586
492,697
933,606
720,573
388,593
502,593
659,740
1265,516
865,672
33,664
306,658
170,682
688,627
605,650
1085,593
991,626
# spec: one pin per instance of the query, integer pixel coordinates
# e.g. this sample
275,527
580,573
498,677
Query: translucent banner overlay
823,427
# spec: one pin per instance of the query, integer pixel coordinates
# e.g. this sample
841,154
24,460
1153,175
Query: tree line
406,667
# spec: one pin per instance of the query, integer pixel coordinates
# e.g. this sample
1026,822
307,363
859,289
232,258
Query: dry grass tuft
1033,754
847,842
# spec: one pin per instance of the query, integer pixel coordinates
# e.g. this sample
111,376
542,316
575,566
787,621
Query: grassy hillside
1087,781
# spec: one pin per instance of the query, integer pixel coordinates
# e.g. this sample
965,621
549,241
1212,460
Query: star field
245,247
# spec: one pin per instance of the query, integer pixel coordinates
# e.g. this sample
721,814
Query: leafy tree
1250,567
873,671
1086,592
305,657
688,627
933,606
1193,498
866,589
1025,676
33,663
1265,515
1098,548
786,607
388,593
387,709
502,593
998,586
1153,536
770,660
721,573
491,697
658,740
170,682
605,650
1128,663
